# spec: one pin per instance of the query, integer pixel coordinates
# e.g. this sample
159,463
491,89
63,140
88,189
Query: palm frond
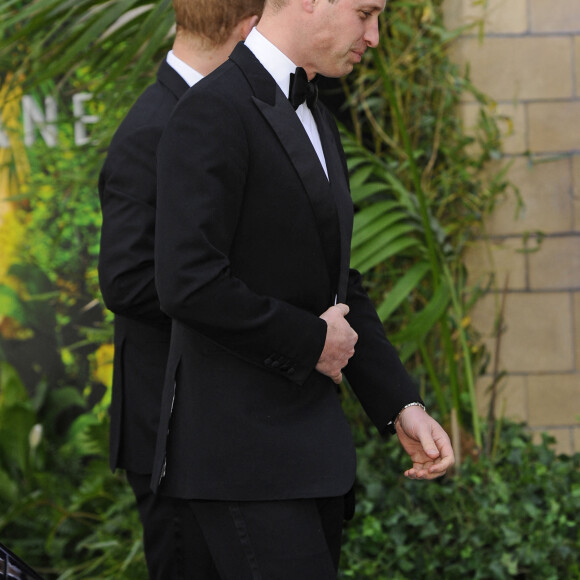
46,39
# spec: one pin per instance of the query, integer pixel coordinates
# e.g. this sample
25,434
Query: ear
247,24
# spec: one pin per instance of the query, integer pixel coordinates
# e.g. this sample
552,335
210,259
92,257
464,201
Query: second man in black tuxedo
206,34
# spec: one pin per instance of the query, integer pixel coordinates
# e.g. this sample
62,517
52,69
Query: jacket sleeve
200,197
127,190
375,372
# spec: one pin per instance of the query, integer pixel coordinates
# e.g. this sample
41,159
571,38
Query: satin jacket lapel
341,196
279,114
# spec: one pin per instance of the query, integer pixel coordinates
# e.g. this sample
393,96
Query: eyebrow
372,6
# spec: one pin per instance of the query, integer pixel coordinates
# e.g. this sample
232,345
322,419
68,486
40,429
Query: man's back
128,194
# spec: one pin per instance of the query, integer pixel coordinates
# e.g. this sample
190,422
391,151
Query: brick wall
529,63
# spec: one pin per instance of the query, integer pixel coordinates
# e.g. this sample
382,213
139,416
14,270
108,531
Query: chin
337,71
347,70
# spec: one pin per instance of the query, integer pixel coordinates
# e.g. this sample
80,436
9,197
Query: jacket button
268,362
275,364
291,371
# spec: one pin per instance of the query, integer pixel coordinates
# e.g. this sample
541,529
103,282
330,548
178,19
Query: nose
371,36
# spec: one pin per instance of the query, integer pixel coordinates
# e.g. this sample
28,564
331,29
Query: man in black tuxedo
254,222
206,34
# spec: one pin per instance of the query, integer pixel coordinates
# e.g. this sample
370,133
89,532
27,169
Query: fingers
426,442
445,454
339,343
429,470
425,474
337,378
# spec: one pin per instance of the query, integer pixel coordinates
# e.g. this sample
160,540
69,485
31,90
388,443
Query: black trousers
171,534
218,540
269,540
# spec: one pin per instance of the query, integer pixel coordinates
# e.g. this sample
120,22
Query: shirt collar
187,73
272,59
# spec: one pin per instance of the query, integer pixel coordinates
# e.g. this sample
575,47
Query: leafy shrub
52,322
511,516
61,509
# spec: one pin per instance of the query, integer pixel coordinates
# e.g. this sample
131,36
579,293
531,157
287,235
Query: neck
199,55
280,29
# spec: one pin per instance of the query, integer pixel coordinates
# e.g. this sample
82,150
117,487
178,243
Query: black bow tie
302,90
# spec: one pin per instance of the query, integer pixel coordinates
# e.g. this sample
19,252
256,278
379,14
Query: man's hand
339,344
426,443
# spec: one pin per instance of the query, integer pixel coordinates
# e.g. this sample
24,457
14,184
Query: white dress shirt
280,67
188,74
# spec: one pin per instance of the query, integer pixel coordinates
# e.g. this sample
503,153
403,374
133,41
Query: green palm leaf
402,289
422,323
49,38
381,248
375,220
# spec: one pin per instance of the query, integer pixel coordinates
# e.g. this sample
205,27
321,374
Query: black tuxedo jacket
128,192
252,245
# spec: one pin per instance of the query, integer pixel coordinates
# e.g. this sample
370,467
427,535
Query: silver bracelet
391,424
414,404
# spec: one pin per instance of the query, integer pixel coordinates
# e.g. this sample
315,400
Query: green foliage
53,334
52,37
17,418
60,507
59,200
27,426
422,192
64,217
514,516
50,298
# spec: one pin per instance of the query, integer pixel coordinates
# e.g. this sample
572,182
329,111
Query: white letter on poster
81,137
33,116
